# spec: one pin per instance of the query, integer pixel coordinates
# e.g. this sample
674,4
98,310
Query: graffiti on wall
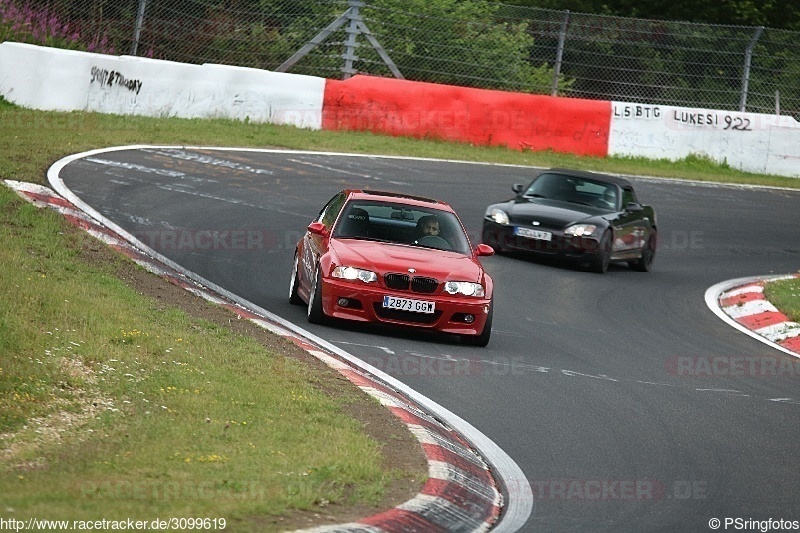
110,78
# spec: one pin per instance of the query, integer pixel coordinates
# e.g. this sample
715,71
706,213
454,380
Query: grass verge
785,295
114,405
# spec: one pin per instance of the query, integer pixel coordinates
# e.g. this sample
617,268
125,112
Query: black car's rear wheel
645,263
481,339
315,312
602,258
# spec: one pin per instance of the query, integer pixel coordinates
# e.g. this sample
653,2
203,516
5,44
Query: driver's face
431,228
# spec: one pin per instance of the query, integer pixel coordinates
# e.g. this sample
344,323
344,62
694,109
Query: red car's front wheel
315,313
481,339
294,298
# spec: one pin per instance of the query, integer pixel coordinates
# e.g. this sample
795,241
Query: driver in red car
429,233
428,225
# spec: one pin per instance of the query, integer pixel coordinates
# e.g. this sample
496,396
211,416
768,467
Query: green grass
785,295
152,412
186,418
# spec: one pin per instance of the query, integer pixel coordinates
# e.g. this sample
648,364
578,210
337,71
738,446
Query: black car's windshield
574,190
401,224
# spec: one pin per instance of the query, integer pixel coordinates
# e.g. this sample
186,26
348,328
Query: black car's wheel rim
649,252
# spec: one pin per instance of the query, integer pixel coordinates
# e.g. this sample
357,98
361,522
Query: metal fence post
562,36
350,44
748,56
137,32
355,28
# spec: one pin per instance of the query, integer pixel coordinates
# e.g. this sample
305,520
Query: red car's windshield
401,224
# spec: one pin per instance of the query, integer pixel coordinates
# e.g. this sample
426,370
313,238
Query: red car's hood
382,258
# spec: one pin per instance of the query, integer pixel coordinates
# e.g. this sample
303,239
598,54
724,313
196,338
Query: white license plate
407,304
533,234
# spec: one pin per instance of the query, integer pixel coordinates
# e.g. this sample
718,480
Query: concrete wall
477,116
65,80
745,141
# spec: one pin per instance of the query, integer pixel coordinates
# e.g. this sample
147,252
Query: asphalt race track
598,386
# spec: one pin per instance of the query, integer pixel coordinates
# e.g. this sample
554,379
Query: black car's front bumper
502,238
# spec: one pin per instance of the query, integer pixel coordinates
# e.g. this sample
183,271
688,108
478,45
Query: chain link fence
474,43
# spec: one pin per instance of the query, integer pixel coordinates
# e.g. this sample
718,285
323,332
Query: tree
769,13
457,42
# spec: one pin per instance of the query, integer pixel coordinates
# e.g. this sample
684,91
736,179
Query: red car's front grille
420,284
402,282
398,282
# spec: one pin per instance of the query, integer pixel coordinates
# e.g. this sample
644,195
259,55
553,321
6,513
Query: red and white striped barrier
747,306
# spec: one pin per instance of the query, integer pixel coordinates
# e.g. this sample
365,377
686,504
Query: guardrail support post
137,32
748,57
562,36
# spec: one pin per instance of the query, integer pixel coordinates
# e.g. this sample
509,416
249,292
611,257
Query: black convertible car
584,216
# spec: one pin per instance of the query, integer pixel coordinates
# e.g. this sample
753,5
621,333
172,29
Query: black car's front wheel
645,263
493,240
315,313
602,258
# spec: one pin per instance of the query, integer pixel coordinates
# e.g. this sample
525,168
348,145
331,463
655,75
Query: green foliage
45,25
773,14
458,42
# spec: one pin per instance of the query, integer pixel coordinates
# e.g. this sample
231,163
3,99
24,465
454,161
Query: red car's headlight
464,287
351,273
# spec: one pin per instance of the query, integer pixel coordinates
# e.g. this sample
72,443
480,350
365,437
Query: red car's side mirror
318,228
483,250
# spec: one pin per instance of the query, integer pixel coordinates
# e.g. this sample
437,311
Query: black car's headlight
466,288
352,273
498,215
581,230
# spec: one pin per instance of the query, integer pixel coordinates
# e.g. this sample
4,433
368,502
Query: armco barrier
478,116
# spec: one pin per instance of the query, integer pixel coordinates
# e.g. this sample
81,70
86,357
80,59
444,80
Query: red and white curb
741,303
462,492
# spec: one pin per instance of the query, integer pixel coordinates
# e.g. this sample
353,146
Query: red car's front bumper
355,300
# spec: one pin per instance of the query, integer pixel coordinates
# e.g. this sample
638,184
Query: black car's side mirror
517,188
633,207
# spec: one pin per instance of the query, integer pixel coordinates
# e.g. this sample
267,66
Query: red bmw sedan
383,257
